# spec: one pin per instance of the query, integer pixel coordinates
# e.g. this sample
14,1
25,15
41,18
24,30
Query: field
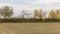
30,28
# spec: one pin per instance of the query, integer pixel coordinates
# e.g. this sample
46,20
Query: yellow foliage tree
52,14
37,14
57,14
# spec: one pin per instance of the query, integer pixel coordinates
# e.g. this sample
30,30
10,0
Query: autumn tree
52,14
6,11
37,14
57,14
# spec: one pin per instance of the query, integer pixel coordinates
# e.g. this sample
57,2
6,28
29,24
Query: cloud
31,4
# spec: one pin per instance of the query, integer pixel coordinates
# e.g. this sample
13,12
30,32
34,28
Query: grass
30,28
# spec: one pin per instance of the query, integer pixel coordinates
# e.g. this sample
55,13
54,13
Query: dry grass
29,28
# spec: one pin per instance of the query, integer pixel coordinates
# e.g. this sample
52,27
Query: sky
19,5
25,4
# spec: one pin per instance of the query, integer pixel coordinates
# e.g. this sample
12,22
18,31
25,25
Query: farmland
30,28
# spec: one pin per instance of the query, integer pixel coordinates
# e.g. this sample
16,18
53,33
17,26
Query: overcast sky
31,4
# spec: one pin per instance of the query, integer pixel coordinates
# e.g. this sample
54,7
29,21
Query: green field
30,28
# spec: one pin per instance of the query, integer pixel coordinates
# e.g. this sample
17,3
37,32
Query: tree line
7,12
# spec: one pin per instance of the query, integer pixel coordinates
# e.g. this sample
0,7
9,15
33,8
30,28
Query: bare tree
43,13
25,13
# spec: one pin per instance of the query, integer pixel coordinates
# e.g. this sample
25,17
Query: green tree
6,11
